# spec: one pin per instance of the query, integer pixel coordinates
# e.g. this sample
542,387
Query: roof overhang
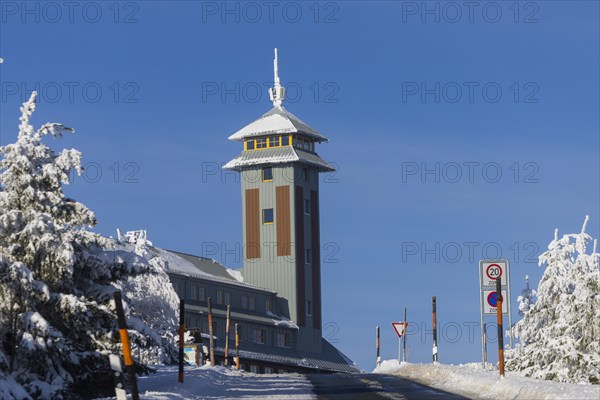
277,121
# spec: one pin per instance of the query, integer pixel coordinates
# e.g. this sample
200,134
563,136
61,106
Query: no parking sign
490,302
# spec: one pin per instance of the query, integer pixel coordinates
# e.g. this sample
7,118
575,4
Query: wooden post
434,323
237,347
404,345
378,360
118,377
500,333
227,335
211,350
181,337
126,347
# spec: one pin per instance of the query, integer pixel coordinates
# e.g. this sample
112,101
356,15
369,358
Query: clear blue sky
395,88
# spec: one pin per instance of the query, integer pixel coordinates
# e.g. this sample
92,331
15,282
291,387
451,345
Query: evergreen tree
57,320
525,300
559,334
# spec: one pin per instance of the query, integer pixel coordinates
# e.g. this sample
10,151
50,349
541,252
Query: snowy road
372,386
223,383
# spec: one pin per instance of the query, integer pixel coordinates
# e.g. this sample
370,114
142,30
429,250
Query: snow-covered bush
559,334
57,317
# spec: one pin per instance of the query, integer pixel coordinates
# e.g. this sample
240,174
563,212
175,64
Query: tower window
306,174
268,216
275,141
261,143
306,206
308,256
250,144
308,307
267,174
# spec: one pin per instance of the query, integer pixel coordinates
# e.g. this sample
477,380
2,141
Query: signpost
489,272
400,328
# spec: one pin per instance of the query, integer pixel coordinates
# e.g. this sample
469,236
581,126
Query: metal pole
404,346
500,338
434,323
126,347
378,360
211,350
227,335
237,347
484,345
181,337
481,323
508,304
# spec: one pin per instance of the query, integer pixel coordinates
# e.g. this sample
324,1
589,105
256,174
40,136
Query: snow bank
222,383
472,381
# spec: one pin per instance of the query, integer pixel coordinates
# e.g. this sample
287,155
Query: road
372,387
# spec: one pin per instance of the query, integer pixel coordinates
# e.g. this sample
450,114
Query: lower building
269,342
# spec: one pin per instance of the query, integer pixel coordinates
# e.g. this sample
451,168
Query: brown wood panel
252,224
300,276
316,258
283,221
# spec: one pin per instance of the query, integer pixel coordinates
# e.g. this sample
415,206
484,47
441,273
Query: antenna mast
276,93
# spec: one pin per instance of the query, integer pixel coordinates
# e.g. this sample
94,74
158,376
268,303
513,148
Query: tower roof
277,121
278,155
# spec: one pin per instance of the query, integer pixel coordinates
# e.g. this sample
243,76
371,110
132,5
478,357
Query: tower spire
277,92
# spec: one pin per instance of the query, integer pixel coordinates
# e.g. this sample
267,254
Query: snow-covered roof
330,359
278,155
278,120
203,268
254,317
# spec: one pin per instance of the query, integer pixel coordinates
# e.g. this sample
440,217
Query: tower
279,170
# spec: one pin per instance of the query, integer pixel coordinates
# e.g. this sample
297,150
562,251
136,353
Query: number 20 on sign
490,271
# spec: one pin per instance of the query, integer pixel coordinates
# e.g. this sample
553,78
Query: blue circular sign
492,299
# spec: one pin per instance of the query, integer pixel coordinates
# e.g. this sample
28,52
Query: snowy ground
470,380
222,383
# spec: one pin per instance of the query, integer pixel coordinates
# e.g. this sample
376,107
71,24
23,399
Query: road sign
491,270
490,301
400,328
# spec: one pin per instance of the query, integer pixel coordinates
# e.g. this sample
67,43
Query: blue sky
499,103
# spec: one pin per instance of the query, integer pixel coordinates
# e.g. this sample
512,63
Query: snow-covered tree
559,334
57,319
525,299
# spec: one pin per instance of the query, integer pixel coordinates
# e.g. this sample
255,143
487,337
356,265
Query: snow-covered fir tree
525,299
559,333
57,319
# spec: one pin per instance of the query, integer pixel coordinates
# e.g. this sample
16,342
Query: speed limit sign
492,270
